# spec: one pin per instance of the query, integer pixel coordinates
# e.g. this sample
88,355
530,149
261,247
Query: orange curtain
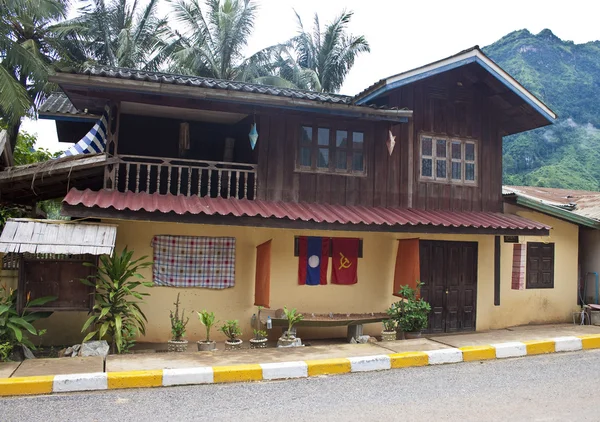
407,269
262,281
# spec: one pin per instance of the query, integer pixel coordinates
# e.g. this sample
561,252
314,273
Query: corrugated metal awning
318,213
21,235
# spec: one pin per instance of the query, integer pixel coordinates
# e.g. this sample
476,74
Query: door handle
446,291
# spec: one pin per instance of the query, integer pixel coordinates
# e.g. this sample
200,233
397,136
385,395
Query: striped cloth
94,141
190,261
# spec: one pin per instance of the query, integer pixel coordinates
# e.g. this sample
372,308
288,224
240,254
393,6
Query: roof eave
223,95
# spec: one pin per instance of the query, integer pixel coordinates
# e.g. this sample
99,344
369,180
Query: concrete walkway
318,350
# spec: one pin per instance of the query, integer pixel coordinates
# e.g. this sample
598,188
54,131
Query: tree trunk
13,132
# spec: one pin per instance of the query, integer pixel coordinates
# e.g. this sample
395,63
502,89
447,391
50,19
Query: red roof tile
320,213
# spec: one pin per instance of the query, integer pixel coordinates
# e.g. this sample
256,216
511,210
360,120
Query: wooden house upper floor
430,138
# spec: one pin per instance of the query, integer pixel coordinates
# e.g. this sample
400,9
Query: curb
287,370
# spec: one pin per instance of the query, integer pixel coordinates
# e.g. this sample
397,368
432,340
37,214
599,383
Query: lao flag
344,260
313,260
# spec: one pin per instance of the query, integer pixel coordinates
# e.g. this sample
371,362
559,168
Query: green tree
213,41
119,33
324,55
28,51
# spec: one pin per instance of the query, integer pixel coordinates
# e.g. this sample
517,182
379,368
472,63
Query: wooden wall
440,106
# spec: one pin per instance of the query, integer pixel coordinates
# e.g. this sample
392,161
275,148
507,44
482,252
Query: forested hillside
566,76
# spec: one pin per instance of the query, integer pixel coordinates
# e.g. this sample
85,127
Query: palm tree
119,34
212,42
28,51
325,56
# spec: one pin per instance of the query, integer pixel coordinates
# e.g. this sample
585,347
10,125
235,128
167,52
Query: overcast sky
404,35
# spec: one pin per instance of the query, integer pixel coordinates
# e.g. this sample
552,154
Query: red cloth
262,280
345,260
408,267
309,270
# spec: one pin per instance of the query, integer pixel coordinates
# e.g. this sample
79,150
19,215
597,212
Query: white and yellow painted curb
287,370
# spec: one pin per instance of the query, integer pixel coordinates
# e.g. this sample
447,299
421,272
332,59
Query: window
540,265
448,160
333,150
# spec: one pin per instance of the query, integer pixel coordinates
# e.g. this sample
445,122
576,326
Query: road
556,387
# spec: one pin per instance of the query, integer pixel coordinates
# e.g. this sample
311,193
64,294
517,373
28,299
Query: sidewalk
38,376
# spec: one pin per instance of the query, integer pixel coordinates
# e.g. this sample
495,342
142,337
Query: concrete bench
354,322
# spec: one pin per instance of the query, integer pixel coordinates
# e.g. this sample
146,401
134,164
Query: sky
404,35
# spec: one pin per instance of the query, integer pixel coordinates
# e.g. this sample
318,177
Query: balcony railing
182,177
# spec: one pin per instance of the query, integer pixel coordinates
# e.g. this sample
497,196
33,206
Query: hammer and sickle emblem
344,262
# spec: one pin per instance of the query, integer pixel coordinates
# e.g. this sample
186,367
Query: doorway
449,277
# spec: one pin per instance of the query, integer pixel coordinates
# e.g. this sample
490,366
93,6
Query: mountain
566,76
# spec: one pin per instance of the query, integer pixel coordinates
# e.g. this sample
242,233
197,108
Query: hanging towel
94,141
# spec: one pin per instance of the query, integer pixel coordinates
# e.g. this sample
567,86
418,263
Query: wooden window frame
528,282
349,149
448,159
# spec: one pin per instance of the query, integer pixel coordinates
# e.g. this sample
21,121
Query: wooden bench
354,322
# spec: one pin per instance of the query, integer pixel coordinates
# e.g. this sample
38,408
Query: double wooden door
449,274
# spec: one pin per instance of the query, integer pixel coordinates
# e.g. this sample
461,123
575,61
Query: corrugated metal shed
57,237
59,103
319,213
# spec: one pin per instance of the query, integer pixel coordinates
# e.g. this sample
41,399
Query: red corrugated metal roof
320,213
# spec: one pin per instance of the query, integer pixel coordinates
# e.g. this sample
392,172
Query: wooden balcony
181,177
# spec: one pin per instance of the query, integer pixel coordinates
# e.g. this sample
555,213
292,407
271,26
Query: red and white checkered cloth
189,261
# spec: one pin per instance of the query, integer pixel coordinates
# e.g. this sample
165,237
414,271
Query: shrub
116,314
178,324
231,329
411,314
293,318
260,334
389,325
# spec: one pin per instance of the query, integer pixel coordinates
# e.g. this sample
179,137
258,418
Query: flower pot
207,346
258,343
388,335
233,344
399,335
177,345
411,335
285,341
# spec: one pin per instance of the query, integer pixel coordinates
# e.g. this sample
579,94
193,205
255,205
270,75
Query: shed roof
577,206
24,235
57,104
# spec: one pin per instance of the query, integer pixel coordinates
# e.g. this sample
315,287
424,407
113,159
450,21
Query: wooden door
449,274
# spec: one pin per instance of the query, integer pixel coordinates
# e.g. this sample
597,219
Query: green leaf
4,308
25,325
88,323
89,336
41,301
16,330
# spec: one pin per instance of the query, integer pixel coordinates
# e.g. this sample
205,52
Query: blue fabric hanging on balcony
94,141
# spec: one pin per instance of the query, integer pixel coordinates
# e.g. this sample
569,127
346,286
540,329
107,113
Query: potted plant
389,330
259,341
177,343
289,337
232,330
208,320
411,314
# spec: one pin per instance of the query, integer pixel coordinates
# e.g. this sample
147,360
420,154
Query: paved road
544,388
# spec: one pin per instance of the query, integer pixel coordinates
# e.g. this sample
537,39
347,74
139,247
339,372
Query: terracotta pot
207,346
258,343
233,345
388,335
411,335
177,345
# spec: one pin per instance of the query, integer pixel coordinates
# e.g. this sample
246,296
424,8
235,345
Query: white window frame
449,160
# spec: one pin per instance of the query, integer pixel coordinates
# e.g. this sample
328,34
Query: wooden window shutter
518,267
262,281
407,270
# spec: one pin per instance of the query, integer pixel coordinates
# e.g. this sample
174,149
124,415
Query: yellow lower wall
371,294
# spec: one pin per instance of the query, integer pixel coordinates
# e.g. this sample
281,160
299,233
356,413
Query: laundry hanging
94,141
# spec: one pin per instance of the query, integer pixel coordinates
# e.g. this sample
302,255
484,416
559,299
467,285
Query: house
581,208
407,175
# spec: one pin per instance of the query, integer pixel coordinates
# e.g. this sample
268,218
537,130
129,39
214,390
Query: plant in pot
411,313
231,329
289,338
208,320
178,324
389,330
259,341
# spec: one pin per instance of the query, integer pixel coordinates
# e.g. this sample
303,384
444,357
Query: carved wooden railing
176,176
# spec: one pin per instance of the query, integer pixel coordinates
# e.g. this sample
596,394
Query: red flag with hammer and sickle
344,260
